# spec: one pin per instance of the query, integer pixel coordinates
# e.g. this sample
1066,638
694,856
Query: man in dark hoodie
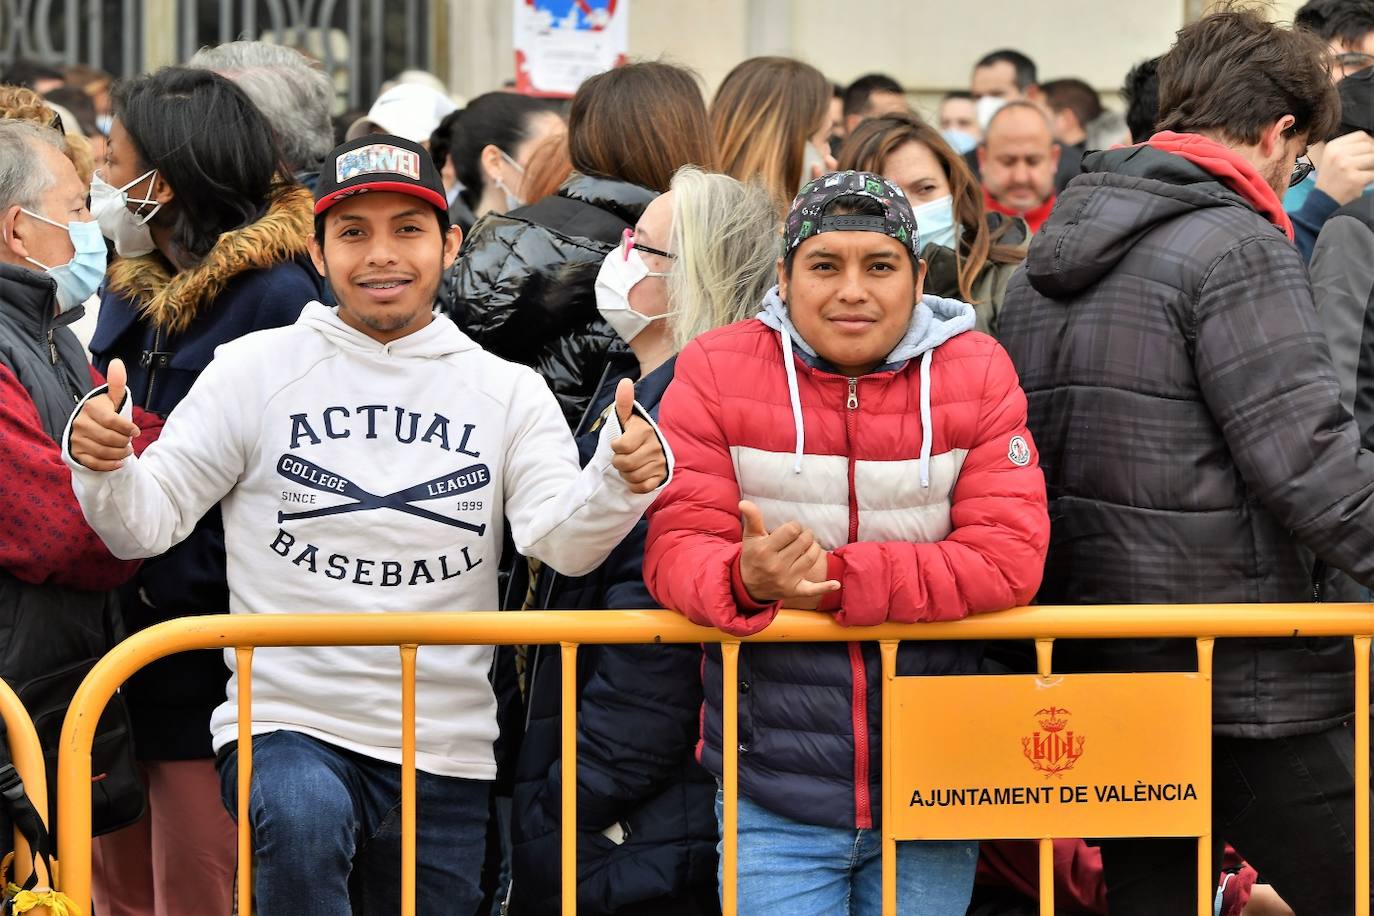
1194,445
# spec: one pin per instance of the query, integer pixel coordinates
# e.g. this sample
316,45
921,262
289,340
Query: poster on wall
559,43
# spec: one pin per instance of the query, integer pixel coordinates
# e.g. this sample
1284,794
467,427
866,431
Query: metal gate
361,43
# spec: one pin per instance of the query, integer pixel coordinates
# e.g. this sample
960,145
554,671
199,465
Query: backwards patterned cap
807,216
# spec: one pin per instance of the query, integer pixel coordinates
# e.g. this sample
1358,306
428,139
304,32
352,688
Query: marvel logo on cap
380,163
377,157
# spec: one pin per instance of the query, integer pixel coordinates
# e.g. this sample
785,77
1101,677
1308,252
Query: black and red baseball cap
380,162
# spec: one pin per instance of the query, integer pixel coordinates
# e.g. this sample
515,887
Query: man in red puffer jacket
877,450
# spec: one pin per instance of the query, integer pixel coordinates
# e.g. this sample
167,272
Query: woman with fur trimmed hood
210,239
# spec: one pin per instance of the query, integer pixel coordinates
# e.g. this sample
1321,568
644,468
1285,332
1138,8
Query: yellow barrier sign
1021,757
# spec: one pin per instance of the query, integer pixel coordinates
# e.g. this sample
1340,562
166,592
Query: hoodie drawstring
925,420
794,395
789,363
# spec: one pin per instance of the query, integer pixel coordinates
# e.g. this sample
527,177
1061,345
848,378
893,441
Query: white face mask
129,231
619,274
935,222
512,201
985,108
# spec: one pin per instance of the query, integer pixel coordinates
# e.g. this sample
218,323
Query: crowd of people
792,346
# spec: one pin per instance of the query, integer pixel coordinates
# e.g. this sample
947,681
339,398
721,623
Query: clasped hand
784,565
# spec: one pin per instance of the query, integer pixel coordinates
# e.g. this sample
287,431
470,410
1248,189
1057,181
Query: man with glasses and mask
1195,449
57,607
1344,166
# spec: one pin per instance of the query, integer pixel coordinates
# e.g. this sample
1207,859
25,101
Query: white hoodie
435,441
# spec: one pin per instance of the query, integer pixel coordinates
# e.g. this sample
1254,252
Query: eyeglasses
627,242
1301,169
1356,65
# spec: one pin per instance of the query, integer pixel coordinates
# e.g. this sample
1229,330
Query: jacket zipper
62,378
863,808
152,369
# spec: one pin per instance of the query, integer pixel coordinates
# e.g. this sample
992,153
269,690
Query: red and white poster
559,43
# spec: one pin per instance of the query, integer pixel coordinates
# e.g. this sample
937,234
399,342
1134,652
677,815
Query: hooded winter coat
920,480
165,327
503,289
1190,423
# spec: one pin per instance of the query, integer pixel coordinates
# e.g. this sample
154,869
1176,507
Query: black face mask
1357,102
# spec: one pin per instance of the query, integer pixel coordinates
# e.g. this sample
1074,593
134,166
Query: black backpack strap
26,820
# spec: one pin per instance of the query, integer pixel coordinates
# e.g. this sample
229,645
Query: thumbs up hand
785,565
638,454
101,438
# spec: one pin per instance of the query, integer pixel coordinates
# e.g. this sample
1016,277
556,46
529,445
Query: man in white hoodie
366,459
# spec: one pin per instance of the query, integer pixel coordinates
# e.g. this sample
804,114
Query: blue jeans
787,867
327,831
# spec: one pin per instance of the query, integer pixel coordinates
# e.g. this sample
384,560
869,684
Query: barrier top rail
574,628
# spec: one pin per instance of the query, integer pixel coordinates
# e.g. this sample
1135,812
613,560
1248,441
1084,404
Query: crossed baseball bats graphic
299,471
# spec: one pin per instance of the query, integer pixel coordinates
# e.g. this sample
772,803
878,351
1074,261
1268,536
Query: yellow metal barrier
572,629
27,754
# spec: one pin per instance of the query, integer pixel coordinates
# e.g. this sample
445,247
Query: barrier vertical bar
408,653
243,671
1206,877
888,649
1361,776
729,777
569,777
1044,659
27,755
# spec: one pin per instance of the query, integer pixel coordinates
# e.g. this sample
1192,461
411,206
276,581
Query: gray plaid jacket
1190,429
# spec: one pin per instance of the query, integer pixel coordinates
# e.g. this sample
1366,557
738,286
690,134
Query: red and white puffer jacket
920,478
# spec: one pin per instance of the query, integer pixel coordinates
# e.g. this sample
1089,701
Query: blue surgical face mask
935,222
962,143
79,278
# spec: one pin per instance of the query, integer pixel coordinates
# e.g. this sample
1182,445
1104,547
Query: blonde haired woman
770,121
702,255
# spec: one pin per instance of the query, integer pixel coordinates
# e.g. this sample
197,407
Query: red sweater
45,538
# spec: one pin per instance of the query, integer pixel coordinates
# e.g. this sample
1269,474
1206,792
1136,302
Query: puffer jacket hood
523,285
619,198
934,320
172,301
1091,231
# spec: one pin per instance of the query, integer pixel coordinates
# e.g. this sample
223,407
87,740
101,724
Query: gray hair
23,179
293,94
727,240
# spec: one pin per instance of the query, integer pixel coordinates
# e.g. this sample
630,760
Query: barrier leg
27,754
569,777
888,648
1044,659
729,777
408,779
243,658
1361,776
1206,876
